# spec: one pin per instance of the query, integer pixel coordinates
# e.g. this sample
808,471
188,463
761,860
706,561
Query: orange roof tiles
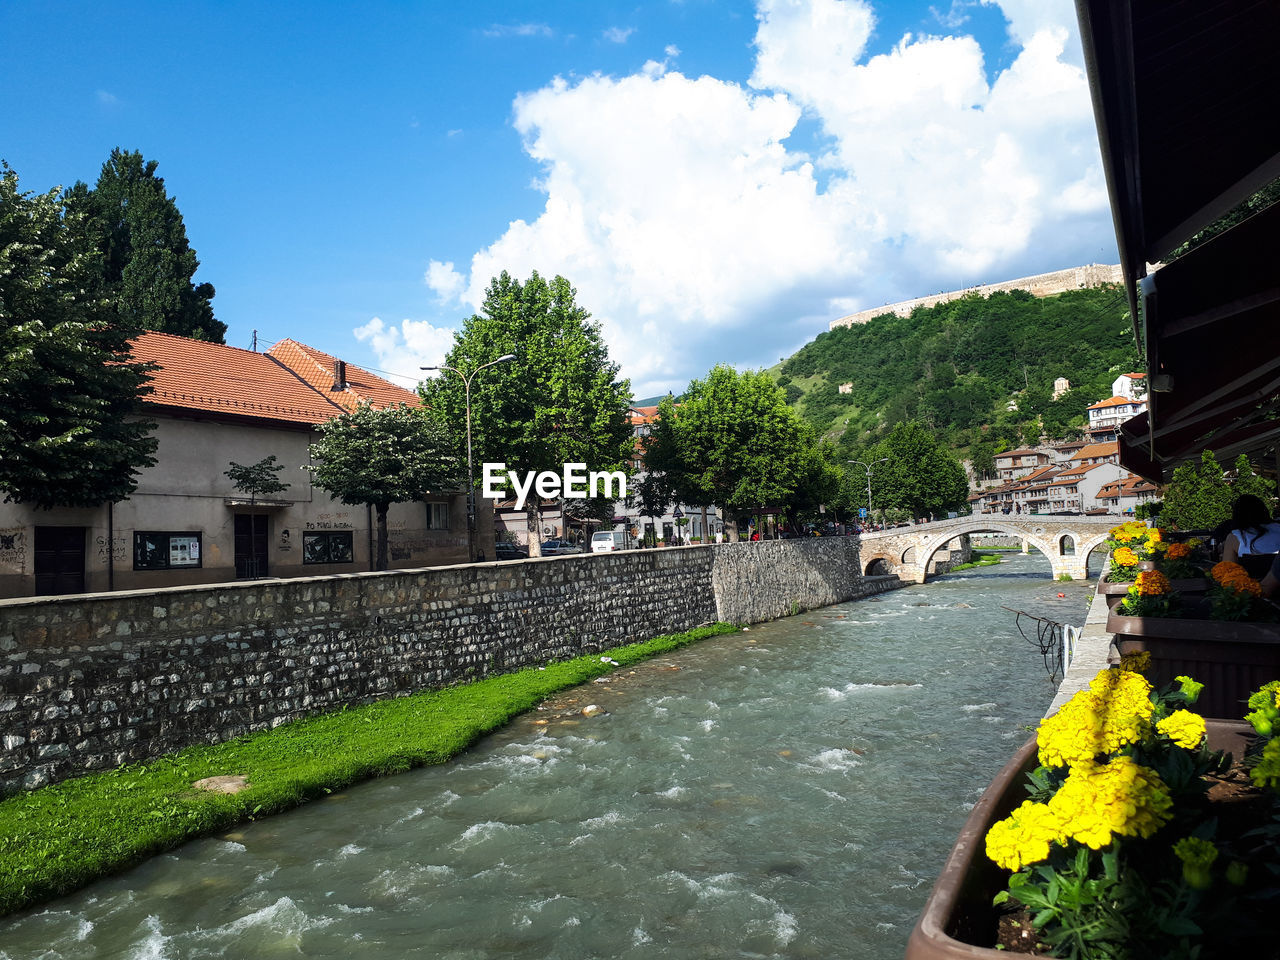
195,375
1098,450
317,369
214,378
1114,402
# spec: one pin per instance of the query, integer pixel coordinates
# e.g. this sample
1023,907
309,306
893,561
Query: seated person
1254,539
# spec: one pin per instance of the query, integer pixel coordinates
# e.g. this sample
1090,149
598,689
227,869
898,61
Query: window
165,551
437,516
329,546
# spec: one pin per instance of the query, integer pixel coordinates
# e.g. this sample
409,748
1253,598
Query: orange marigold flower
1152,583
1178,551
1225,570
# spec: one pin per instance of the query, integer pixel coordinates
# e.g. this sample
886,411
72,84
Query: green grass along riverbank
60,837
983,558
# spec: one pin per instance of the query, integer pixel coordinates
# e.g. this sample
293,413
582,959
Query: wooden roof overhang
1185,98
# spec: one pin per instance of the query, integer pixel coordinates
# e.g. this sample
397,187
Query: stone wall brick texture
91,682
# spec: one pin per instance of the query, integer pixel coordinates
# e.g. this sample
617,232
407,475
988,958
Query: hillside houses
1089,480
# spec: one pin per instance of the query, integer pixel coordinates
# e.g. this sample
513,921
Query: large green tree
147,265
68,392
558,401
742,447
919,473
378,457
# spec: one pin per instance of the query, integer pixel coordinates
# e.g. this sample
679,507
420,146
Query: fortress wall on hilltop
1041,285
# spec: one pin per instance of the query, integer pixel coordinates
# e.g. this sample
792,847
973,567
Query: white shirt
1268,541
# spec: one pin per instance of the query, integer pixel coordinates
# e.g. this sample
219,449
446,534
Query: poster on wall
184,551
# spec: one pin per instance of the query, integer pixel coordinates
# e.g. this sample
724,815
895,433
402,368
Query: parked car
558,548
506,550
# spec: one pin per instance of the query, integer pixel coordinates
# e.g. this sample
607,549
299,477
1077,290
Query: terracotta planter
1191,589
1231,659
958,921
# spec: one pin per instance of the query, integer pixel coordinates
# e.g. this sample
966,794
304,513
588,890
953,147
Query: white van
605,541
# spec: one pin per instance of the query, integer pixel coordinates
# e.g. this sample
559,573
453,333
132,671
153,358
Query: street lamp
867,467
471,478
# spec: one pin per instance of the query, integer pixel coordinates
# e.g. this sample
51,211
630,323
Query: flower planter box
1190,589
1230,659
958,921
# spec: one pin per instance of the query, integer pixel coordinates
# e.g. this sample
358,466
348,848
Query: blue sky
718,179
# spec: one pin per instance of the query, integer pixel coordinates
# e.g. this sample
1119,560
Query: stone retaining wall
90,682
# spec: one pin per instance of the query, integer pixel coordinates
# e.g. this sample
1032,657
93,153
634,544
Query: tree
983,457
147,264
379,457
920,475
69,395
559,401
1198,496
258,479
1248,482
742,447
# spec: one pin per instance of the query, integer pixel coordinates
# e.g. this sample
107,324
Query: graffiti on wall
13,550
118,549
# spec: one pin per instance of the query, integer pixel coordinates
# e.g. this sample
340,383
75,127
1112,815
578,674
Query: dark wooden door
251,544
59,560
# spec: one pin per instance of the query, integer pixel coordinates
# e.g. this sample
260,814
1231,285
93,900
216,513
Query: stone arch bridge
907,551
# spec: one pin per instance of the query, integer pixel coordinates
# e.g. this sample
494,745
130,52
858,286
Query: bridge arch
1067,541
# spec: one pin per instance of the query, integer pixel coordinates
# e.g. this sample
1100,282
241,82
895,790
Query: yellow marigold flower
1197,858
1152,583
1184,728
1115,711
1023,837
1136,662
1119,798
1125,557
1178,551
1155,535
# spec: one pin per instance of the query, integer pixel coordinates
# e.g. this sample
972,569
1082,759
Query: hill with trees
960,367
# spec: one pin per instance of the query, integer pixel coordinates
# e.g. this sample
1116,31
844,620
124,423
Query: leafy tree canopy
147,267
558,401
742,446
259,479
397,454
920,474
1199,495
68,393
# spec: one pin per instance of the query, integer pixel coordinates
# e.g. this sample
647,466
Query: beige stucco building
186,523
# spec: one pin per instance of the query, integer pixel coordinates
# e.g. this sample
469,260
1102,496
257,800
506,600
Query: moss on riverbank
61,837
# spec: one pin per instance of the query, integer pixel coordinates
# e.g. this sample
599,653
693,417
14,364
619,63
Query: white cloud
447,282
402,350
106,98
618,34
671,50
695,232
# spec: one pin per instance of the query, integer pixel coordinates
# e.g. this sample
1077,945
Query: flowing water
788,791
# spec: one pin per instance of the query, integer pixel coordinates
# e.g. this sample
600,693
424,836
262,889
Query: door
251,545
59,556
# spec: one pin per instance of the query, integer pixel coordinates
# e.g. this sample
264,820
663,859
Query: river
788,791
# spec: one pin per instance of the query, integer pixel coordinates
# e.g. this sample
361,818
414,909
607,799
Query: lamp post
471,478
867,467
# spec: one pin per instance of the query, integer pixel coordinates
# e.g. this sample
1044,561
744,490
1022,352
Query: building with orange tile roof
186,523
